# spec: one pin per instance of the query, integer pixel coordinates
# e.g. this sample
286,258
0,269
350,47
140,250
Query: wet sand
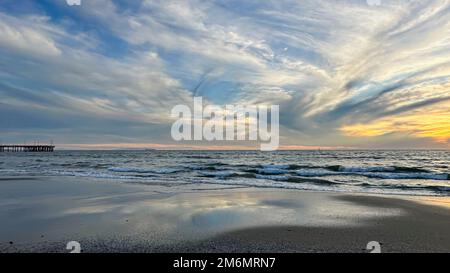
42,214
420,229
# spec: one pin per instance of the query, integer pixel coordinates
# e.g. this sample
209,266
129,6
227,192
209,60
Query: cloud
134,88
336,68
25,38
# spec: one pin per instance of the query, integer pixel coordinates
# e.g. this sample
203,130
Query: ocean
380,171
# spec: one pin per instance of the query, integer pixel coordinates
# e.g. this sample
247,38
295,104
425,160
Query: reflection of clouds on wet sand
50,210
208,213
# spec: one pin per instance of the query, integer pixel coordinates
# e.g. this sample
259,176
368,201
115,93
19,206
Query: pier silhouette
27,148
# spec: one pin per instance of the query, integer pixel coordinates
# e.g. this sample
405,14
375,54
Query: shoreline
43,214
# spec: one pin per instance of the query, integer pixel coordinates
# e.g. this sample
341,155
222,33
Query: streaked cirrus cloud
345,74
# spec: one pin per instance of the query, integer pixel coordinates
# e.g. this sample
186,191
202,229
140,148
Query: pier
26,148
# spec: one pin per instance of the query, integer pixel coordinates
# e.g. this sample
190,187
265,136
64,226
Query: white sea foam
271,166
375,173
432,176
272,171
143,170
315,172
218,174
366,169
272,177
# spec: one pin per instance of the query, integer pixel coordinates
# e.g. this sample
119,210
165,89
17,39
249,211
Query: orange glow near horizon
432,122
111,146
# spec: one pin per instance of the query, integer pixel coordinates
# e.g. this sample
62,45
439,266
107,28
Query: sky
106,74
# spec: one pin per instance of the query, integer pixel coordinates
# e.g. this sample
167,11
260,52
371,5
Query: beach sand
42,214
